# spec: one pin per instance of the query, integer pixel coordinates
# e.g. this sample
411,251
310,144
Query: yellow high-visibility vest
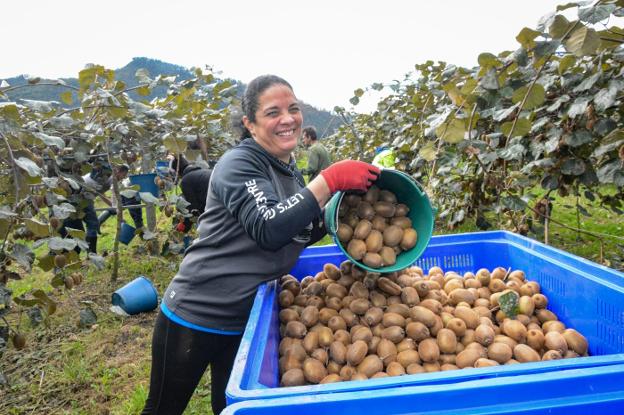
385,159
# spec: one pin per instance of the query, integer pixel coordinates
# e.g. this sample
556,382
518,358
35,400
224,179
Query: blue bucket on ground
127,233
137,296
145,182
162,168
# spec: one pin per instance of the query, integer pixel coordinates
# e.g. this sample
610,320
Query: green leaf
547,48
29,165
509,304
523,126
174,144
144,91
572,4
559,27
76,233
535,97
573,167
147,197
605,98
50,140
23,255
6,212
10,111
514,152
46,263
487,60
550,182
63,211
578,138
377,86
452,131
596,13
489,80
67,97
428,152
583,41
354,101
587,83
565,63
578,107
39,229
526,37
58,244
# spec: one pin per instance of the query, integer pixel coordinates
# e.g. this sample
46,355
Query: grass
105,369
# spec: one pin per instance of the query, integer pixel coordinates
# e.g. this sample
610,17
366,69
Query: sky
325,49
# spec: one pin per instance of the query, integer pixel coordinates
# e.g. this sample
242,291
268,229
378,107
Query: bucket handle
333,226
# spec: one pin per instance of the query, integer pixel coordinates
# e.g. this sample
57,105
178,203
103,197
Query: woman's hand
350,175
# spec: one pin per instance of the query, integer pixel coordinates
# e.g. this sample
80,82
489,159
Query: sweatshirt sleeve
249,195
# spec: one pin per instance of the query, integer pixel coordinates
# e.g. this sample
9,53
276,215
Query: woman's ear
248,124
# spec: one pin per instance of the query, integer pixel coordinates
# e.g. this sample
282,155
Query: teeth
285,133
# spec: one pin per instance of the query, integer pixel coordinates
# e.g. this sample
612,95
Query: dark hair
183,164
310,132
251,97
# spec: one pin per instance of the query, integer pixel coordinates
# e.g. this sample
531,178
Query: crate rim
474,385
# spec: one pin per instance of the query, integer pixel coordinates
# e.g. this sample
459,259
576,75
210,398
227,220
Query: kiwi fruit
293,377
373,260
362,230
384,209
392,235
313,370
370,365
374,242
348,324
408,241
356,249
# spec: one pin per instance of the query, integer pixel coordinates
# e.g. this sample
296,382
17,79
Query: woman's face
278,121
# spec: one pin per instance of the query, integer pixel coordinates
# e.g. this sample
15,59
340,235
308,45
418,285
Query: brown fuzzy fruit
60,260
19,341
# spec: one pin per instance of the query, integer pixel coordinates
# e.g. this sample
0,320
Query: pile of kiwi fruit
346,324
374,227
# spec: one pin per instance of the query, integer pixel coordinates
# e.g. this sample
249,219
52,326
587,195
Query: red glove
350,175
180,227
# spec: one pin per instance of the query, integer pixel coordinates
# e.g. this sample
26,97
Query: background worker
135,213
259,216
318,156
96,183
384,157
194,185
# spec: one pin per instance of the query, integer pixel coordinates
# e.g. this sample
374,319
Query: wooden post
147,166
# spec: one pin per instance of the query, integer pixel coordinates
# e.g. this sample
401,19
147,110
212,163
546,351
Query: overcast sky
325,49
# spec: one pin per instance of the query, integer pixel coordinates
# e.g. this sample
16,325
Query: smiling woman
259,216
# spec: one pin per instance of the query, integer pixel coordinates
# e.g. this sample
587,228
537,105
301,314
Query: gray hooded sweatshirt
258,219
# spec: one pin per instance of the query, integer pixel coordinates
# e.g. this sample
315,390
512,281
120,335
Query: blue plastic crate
574,392
584,295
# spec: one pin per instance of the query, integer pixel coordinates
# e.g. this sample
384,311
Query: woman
259,216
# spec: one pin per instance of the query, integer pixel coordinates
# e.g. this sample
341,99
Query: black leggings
180,356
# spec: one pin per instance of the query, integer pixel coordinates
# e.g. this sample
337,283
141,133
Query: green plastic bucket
409,192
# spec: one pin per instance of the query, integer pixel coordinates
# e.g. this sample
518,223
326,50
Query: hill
320,119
